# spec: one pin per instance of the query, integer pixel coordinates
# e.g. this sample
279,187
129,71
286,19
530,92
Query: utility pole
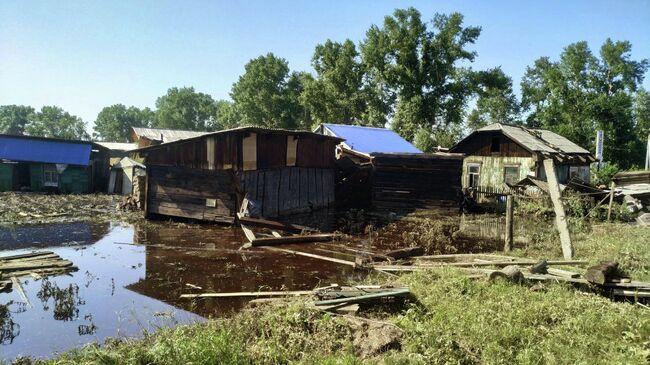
647,154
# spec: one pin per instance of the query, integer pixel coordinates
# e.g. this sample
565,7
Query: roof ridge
361,126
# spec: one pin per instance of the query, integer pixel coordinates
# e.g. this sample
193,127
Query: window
511,174
473,173
495,147
50,175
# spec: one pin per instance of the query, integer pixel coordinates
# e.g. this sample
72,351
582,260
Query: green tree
183,108
582,93
642,114
417,69
13,118
267,94
114,122
339,93
496,101
225,114
54,122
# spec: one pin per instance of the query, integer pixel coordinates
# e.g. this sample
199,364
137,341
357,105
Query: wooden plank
27,255
271,193
21,291
366,297
294,202
304,187
312,187
311,255
611,200
560,216
562,273
260,222
250,294
284,204
405,252
318,178
292,239
248,233
261,178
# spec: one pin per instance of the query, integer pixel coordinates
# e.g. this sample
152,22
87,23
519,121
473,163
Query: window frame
470,173
505,172
50,176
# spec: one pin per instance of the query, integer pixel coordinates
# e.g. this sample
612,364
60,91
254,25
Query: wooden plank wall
190,193
289,190
479,145
406,182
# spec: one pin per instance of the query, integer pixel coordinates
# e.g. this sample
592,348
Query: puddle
130,278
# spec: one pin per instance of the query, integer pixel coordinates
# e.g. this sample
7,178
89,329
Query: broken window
511,174
50,175
473,173
496,144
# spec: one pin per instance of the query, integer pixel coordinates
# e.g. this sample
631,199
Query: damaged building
380,169
54,165
500,155
281,172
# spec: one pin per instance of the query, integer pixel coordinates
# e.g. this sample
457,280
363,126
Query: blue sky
84,55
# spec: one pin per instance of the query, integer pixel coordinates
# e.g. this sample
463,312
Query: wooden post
509,224
611,200
560,215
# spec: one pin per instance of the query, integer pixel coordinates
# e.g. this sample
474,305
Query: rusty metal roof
165,135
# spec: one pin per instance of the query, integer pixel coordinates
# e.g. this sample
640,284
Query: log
541,267
560,215
323,237
602,273
562,273
403,253
510,273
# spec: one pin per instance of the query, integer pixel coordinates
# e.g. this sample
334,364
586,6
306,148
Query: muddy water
130,279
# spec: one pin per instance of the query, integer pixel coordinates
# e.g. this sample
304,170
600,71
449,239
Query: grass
455,321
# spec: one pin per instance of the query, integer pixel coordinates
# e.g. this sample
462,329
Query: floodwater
131,277
130,280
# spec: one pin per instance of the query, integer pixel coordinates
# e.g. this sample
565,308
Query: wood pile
36,264
129,204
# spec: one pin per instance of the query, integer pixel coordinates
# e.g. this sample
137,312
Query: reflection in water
48,235
8,328
179,261
66,300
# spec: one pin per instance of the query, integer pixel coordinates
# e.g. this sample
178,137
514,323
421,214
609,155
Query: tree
114,122
339,94
54,122
642,114
496,101
268,95
417,69
13,118
582,93
186,109
225,114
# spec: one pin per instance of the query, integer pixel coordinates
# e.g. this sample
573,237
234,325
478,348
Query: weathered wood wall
480,145
415,181
191,193
289,190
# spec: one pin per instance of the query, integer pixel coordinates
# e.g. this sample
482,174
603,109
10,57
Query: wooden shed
280,171
380,169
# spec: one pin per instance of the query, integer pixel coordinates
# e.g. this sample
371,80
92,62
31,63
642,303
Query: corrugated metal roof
246,129
44,150
117,146
167,135
369,140
538,140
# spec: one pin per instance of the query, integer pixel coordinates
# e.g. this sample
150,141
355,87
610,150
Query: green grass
456,321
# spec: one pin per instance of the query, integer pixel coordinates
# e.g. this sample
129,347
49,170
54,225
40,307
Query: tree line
411,75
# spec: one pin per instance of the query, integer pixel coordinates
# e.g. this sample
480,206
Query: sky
85,55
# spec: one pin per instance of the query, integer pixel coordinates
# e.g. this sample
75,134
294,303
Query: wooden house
49,164
206,177
499,155
380,169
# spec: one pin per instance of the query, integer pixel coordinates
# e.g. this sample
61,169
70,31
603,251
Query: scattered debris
42,263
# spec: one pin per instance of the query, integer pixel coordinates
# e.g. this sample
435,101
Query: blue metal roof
16,148
369,140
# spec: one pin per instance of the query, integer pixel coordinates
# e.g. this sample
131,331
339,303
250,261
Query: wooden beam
250,294
611,201
312,255
265,223
560,215
270,241
507,247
